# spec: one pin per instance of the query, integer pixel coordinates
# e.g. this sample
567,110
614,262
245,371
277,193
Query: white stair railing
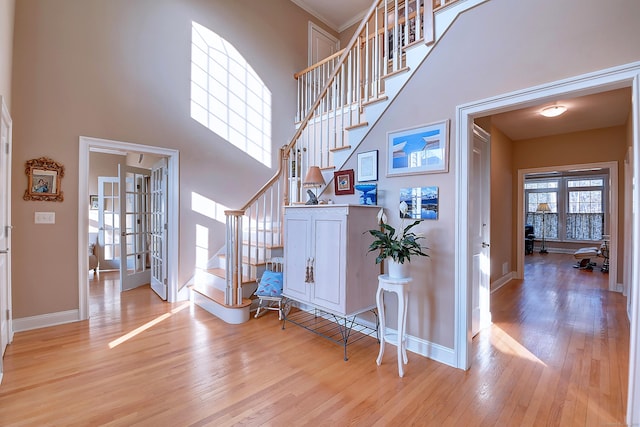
331,98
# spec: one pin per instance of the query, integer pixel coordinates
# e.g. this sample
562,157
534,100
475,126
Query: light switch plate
45,218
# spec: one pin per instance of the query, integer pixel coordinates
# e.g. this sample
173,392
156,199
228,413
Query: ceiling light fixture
553,111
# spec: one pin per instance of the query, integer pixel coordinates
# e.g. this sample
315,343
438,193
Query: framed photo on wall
422,202
343,182
44,177
422,149
368,166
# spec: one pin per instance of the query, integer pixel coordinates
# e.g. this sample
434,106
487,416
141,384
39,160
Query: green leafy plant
393,244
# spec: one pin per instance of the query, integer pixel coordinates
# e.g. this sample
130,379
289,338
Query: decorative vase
397,270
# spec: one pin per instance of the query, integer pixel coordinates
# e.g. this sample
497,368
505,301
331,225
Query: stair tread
245,260
356,126
263,245
216,295
344,147
222,273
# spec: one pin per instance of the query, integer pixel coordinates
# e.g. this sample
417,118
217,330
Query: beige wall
502,196
495,48
6,48
120,69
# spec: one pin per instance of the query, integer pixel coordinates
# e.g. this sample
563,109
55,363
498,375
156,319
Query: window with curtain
538,192
577,207
585,216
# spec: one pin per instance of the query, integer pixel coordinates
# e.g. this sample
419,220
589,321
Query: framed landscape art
423,149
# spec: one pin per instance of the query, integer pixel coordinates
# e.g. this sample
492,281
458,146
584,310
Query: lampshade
314,178
543,207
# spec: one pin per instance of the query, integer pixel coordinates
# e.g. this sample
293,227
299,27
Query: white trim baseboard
497,284
45,320
433,351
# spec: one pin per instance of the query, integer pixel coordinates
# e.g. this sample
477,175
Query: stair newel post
284,163
233,291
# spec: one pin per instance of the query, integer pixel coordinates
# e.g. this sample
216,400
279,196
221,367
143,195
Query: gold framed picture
43,180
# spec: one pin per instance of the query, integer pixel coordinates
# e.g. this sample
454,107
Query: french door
109,222
134,227
158,230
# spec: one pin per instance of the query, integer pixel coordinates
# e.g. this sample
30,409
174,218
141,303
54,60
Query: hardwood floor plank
556,354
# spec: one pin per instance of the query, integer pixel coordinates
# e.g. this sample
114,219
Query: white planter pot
396,270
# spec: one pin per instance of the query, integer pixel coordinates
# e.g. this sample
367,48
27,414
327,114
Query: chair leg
258,310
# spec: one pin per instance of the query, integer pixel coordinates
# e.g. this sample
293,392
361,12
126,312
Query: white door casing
321,44
480,232
6,327
134,227
158,220
87,144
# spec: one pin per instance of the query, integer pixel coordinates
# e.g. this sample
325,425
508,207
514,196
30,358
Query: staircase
339,100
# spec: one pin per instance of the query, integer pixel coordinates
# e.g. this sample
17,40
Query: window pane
534,199
585,201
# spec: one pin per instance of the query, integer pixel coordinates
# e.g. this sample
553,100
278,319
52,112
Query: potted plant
397,246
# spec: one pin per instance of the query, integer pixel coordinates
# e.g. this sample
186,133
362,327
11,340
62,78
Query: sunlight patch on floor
147,325
504,343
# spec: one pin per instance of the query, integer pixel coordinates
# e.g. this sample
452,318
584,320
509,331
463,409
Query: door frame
314,28
87,144
627,75
5,120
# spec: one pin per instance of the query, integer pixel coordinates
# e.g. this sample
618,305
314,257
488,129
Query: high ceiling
338,14
605,109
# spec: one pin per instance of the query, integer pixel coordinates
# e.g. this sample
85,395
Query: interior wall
7,8
502,196
599,145
510,52
120,70
102,164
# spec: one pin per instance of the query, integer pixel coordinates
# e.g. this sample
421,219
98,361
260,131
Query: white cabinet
326,261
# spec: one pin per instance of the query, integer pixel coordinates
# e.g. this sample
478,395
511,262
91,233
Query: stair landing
212,300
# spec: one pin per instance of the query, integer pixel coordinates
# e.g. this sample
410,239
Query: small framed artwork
43,180
422,149
422,202
343,182
368,166
93,202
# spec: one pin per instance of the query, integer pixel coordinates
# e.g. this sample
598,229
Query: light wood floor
555,355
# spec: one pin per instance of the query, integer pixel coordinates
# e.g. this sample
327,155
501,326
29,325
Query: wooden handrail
318,64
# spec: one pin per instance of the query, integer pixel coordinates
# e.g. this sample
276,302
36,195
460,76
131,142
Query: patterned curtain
585,226
550,224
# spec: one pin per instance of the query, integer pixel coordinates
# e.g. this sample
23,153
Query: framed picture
343,182
368,166
93,202
423,149
43,180
422,202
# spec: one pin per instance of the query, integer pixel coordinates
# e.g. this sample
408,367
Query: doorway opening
602,81
87,145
